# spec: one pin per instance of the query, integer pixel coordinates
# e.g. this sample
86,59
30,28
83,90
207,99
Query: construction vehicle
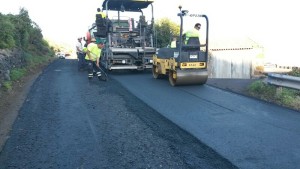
187,63
128,44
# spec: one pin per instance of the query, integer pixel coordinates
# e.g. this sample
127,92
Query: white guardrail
281,80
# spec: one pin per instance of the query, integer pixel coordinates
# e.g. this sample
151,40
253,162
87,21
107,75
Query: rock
7,75
10,59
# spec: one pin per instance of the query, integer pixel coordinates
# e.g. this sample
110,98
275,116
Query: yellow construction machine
187,63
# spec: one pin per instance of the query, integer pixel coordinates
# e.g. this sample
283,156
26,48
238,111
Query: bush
21,32
17,74
295,72
6,33
7,85
32,61
259,87
280,95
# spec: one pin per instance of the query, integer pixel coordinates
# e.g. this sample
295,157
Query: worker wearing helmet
101,13
192,33
93,54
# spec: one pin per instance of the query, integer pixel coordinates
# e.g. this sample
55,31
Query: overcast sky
271,23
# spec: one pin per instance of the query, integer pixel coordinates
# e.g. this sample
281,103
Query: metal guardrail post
281,80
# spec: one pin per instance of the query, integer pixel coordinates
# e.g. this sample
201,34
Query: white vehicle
61,55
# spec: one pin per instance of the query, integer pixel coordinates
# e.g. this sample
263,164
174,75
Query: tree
21,32
165,30
23,27
6,33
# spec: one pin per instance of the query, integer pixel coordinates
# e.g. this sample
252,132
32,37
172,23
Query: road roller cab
187,63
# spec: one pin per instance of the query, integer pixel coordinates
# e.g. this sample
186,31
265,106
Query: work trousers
81,61
93,69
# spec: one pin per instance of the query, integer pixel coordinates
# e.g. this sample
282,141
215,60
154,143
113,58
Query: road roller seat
193,44
190,52
193,41
166,53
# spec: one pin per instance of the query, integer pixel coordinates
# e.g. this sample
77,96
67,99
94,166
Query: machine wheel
156,70
172,77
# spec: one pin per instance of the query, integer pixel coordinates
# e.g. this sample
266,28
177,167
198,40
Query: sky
272,24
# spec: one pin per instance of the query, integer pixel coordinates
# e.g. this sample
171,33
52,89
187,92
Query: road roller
186,64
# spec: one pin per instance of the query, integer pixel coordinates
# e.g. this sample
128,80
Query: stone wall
10,59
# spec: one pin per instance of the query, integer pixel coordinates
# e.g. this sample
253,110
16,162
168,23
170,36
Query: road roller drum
188,77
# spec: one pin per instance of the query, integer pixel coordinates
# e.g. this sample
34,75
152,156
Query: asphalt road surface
68,122
250,133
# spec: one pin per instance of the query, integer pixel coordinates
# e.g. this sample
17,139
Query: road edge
13,102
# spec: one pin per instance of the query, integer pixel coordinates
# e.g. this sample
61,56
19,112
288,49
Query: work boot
90,76
99,75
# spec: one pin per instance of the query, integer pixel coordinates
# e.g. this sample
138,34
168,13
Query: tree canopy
165,31
19,31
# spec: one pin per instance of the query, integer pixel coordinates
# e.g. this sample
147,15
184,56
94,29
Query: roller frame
193,75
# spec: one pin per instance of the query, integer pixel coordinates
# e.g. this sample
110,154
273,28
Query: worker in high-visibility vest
192,33
84,49
101,13
93,54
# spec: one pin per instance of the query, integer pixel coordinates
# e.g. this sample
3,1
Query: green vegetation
33,61
17,74
280,95
265,91
6,33
21,33
295,72
7,85
166,30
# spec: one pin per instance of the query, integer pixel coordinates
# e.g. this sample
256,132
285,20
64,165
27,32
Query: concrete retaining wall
238,63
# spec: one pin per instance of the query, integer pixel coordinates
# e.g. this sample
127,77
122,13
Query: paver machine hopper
129,44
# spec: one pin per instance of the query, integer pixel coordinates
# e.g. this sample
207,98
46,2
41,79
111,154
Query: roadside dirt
233,85
12,101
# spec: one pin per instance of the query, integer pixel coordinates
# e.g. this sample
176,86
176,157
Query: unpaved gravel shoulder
12,101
